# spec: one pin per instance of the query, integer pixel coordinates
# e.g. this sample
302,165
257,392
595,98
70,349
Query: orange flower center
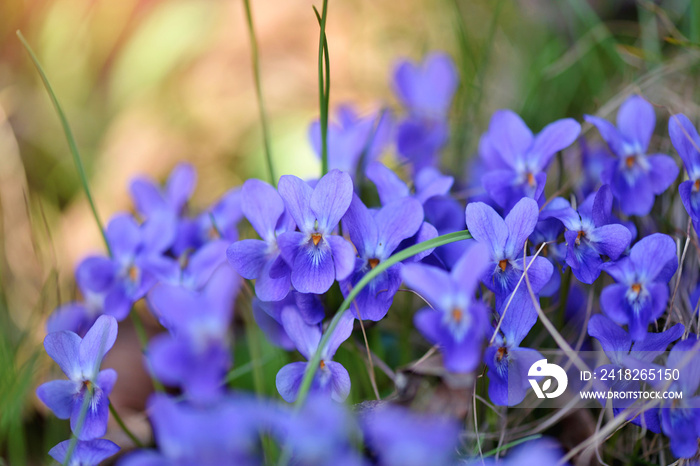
133,273
373,262
629,161
457,315
531,179
696,185
322,364
503,264
502,351
316,238
637,288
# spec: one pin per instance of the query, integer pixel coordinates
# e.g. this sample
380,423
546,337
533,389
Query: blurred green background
148,83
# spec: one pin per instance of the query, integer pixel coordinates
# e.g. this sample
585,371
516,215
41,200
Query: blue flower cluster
482,294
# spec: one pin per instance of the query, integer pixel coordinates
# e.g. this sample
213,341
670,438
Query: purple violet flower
519,158
639,297
509,363
505,240
634,176
457,321
80,359
195,353
227,432
315,255
150,199
426,91
260,260
619,348
542,452
400,437
686,140
376,234
86,453
331,378
268,315
591,234
353,141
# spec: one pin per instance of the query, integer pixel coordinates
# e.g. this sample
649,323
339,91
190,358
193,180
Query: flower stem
258,92
126,430
69,137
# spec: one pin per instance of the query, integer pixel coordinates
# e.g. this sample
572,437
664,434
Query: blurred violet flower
227,432
321,433
508,363
680,418
195,353
194,269
429,184
518,158
591,234
686,140
151,199
218,222
260,260
619,348
316,256
268,315
86,453
457,322
111,285
331,378
353,141
400,437
505,240
376,234
639,297
426,91
594,157
634,176
80,359
548,230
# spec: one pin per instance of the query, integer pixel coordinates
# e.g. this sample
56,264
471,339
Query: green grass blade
69,136
324,84
381,267
259,93
512,444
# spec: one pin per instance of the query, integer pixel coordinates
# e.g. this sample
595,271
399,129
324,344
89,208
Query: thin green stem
381,267
69,137
259,93
324,84
126,430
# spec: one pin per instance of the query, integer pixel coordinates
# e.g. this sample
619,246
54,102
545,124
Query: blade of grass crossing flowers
69,136
324,84
259,93
381,267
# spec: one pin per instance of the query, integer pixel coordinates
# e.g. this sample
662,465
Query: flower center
133,273
636,288
322,364
501,353
373,262
696,185
629,161
581,234
531,179
457,315
316,238
503,263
